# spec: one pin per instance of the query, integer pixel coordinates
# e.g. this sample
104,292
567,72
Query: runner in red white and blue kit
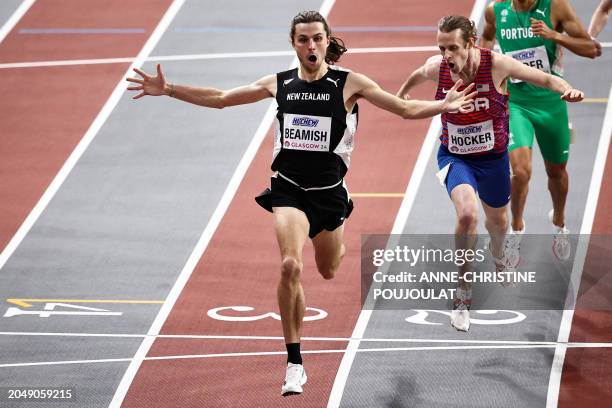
473,154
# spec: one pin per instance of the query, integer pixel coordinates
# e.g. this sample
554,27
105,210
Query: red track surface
587,372
241,263
44,112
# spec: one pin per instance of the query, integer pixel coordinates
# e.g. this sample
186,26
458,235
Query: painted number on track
219,313
65,309
503,317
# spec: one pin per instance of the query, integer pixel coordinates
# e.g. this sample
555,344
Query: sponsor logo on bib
306,132
534,57
474,138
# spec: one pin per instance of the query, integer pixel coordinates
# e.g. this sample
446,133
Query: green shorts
548,121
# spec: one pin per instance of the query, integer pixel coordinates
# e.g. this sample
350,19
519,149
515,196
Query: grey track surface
479,377
128,216
130,213
7,8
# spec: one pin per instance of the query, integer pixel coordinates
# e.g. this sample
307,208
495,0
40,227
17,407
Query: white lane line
193,57
235,337
554,383
202,244
223,55
88,137
279,353
14,19
420,166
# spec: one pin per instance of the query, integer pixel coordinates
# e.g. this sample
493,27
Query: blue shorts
489,175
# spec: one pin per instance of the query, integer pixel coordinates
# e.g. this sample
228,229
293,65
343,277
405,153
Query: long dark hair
451,23
336,45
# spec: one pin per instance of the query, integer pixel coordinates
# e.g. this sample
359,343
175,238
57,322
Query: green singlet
533,109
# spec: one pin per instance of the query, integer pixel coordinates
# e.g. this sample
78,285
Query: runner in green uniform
533,32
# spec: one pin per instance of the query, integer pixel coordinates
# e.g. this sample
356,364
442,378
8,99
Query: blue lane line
81,31
347,29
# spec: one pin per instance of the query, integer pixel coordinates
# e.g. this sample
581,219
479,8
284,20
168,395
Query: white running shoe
504,264
512,246
561,246
294,379
460,315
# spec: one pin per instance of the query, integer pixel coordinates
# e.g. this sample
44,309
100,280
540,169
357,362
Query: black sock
293,353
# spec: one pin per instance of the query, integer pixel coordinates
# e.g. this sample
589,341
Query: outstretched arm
487,40
505,66
600,18
575,38
429,71
208,97
364,87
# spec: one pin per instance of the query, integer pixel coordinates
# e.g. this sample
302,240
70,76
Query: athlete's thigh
291,227
493,178
520,160
328,245
551,124
521,128
454,172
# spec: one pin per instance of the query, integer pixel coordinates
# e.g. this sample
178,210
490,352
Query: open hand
459,101
148,85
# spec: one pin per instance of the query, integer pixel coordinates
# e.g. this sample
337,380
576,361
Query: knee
468,219
291,269
521,174
556,172
328,271
499,220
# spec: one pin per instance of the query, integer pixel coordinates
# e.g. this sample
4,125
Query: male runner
315,125
532,32
473,154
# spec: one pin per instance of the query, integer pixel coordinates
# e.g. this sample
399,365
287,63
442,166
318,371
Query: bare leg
558,182
291,226
329,251
466,206
520,160
497,225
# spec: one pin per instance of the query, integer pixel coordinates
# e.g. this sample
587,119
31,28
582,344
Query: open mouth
312,58
451,65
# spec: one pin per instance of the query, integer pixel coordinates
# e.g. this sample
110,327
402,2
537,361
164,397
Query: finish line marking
282,353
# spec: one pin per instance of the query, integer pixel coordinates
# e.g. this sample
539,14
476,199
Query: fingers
136,80
135,88
471,96
140,95
141,73
597,47
534,21
572,95
160,74
469,88
457,85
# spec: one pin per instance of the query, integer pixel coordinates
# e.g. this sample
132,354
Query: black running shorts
325,209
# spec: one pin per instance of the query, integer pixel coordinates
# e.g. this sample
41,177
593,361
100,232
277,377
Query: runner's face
454,49
310,43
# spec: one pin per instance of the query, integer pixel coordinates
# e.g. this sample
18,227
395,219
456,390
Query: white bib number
474,138
534,57
306,132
